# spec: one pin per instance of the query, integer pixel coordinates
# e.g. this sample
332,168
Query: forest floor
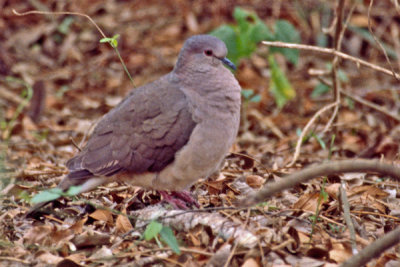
75,79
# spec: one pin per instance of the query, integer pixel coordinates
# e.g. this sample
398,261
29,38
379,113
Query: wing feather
141,134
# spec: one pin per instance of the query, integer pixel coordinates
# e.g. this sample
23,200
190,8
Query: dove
169,133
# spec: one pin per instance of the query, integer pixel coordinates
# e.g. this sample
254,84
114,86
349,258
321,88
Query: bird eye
208,52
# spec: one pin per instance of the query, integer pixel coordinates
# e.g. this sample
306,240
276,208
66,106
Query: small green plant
65,25
336,229
312,134
54,193
40,135
114,44
322,88
242,39
323,197
250,96
155,229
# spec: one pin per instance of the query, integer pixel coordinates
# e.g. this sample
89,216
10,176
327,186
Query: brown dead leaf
102,253
123,224
255,181
250,262
333,190
91,239
214,187
102,215
368,190
78,226
47,235
195,241
360,20
308,202
339,252
49,258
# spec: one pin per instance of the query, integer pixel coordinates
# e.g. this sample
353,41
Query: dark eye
208,52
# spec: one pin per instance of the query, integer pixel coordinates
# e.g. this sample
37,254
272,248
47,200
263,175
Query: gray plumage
169,133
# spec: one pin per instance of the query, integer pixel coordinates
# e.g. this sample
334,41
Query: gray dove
169,133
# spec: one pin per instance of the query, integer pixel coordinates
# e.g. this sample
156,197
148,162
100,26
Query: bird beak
228,63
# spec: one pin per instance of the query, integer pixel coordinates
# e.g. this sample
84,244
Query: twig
335,53
324,169
92,21
332,119
60,13
376,39
75,144
374,249
236,243
335,61
371,105
305,130
364,102
347,217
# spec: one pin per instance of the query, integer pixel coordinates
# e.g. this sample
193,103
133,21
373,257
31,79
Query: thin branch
227,263
347,217
60,13
92,21
340,34
376,39
364,102
331,51
369,104
305,130
324,169
375,249
330,122
339,29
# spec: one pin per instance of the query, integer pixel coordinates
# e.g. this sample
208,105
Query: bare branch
334,52
305,130
324,169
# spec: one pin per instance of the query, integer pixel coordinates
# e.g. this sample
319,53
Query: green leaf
60,93
279,84
105,40
24,195
320,141
152,230
260,32
73,191
342,76
247,93
320,89
227,34
286,32
256,98
64,26
350,103
298,132
243,18
47,195
112,41
168,237
324,195
242,39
